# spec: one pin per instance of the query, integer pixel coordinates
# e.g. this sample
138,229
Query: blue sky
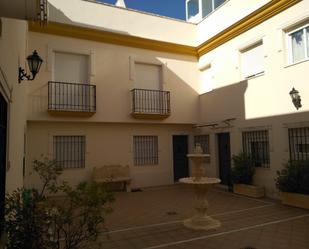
171,8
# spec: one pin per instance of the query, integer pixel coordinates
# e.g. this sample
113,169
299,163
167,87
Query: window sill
296,63
255,76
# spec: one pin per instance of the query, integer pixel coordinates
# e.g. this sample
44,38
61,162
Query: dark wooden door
3,130
180,151
224,150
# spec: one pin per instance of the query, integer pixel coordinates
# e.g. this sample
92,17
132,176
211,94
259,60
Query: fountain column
201,183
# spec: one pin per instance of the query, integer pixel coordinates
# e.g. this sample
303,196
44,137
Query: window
70,90
203,140
299,143
145,150
192,8
252,60
256,145
69,151
210,5
298,41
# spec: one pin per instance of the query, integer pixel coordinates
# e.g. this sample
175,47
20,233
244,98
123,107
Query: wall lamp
34,63
296,99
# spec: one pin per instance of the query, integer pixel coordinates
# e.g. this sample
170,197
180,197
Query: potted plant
293,182
242,176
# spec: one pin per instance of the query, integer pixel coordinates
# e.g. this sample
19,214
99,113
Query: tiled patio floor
153,219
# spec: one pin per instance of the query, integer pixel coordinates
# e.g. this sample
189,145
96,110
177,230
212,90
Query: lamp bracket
22,75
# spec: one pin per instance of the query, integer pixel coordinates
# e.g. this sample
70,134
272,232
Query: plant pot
295,199
249,190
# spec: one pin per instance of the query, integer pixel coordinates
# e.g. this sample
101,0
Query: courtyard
152,218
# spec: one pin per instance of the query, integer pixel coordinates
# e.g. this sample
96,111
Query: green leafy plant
294,177
243,169
70,220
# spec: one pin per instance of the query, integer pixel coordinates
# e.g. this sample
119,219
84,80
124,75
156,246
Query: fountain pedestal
201,184
201,221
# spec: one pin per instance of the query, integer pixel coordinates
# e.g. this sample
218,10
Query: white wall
13,51
122,21
226,15
261,102
112,71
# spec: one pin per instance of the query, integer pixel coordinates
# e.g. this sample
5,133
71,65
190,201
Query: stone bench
113,174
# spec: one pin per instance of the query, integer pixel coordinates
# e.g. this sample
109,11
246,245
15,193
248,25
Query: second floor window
298,44
252,60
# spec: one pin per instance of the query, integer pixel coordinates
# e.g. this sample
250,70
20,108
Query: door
3,123
180,160
224,153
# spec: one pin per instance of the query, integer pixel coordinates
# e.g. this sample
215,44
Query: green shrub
294,177
243,169
35,221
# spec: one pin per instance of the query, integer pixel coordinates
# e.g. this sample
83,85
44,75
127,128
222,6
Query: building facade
120,86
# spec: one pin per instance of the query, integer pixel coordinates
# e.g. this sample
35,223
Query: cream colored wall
112,71
120,20
225,16
12,51
262,102
106,144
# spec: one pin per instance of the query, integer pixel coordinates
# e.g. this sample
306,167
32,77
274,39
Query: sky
170,8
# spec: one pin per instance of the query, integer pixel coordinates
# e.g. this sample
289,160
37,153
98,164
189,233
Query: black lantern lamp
295,98
34,63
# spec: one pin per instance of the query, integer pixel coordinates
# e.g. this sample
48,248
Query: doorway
224,153
180,160
3,130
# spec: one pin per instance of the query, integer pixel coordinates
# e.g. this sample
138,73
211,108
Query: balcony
150,104
71,99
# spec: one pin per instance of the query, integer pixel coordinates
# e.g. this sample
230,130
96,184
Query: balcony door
148,78
72,73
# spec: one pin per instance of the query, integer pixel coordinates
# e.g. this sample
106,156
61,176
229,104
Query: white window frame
289,44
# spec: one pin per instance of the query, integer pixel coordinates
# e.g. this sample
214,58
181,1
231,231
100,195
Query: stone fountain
201,184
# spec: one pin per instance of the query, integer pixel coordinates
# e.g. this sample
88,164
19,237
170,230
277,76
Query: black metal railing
299,143
64,96
146,101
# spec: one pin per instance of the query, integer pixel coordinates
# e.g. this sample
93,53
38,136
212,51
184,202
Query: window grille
256,145
203,140
145,150
69,151
299,143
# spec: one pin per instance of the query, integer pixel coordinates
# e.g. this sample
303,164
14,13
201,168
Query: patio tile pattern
153,219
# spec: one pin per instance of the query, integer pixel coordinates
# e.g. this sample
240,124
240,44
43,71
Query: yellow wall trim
110,37
262,14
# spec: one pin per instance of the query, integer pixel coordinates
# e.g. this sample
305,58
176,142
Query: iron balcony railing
146,101
64,96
